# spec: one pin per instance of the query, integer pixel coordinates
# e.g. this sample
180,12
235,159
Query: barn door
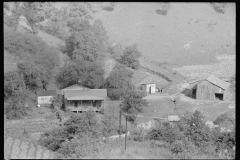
150,90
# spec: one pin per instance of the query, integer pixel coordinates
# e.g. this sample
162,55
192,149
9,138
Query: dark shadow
189,93
219,96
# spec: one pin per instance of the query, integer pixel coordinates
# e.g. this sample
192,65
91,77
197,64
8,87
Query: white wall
44,100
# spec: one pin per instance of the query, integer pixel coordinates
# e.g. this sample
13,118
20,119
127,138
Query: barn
150,88
208,88
80,99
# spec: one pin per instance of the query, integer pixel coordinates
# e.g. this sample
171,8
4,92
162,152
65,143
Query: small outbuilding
208,88
44,97
150,88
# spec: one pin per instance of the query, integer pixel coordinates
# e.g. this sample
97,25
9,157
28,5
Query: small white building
45,97
149,88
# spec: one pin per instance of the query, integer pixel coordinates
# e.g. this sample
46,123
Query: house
149,88
208,88
44,97
83,99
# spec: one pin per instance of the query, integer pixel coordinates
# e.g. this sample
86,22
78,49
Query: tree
118,82
90,74
16,107
31,75
130,57
133,103
87,42
13,84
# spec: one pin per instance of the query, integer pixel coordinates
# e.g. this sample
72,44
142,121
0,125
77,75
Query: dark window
219,96
75,103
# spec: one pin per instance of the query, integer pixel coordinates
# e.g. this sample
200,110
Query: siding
207,90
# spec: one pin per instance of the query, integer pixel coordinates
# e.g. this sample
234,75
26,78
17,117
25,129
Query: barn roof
47,93
212,79
218,82
102,93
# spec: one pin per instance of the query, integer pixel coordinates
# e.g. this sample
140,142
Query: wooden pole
120,119
126,135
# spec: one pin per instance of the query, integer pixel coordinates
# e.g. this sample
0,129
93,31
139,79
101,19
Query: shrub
138,134
15,108
165,132
13,84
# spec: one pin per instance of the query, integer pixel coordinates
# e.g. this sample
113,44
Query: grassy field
189,33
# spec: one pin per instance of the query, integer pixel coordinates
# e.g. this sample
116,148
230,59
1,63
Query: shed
150,88
44,97
208,88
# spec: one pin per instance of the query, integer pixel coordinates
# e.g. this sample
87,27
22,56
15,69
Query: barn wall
207,90
226,93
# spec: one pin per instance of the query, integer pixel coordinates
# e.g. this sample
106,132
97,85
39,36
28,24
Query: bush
15,108
13,84
138,134
165,132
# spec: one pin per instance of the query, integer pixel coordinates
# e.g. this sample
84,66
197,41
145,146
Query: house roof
212,79
85,97
173,118
47,93
102,93
74,87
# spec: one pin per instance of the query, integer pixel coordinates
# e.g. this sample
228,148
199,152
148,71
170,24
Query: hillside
188,33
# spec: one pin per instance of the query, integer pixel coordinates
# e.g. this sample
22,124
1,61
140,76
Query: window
219,96
75,103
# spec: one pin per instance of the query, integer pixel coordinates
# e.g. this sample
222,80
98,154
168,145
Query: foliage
89,74
16,106
57,101
118,82
87,42
223,118
79,136
133,103
115,51
109,125
165,132
138,134
13,84
34,12
130,57
195,128
31,75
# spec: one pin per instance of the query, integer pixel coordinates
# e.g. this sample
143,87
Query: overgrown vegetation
130,57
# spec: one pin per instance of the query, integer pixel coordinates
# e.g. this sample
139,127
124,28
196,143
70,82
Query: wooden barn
150,88
208,88
79,99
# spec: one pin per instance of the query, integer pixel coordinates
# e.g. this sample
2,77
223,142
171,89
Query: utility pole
126,135
120,117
